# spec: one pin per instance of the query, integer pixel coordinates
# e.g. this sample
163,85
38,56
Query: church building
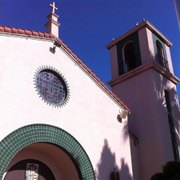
59,121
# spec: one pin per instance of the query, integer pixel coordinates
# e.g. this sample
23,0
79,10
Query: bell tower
143,77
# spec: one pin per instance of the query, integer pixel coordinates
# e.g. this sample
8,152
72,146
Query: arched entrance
42,161
46,147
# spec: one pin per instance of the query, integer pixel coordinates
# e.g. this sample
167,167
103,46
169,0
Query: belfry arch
160,53
35,134
129,56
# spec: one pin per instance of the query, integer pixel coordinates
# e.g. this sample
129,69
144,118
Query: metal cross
53,7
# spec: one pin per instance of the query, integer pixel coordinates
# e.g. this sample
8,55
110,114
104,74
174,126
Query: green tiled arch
35,133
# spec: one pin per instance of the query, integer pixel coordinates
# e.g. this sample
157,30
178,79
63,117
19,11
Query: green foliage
177,177
171,171
158,176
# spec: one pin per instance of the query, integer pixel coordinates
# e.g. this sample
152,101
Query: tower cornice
138,27
149,65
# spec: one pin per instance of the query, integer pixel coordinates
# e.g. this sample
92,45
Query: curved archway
129,56
160,53
35,133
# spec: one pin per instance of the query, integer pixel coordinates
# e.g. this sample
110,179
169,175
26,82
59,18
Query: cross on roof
53,7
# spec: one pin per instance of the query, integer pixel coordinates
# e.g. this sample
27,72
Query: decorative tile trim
35,133
46,67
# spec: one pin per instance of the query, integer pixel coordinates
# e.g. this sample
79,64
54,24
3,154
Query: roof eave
138,27
44,35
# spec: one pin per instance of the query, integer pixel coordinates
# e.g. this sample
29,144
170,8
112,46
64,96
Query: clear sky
87,26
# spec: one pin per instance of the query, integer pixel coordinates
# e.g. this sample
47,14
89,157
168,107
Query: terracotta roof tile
1,28
21,31
79,61
34,33
14,30
28,32
46,35
41,34
7,29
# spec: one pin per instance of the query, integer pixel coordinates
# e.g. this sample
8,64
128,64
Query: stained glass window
51,87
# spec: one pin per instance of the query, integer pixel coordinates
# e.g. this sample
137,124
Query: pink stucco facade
143,89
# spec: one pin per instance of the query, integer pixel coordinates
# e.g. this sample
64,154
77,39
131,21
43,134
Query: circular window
51,87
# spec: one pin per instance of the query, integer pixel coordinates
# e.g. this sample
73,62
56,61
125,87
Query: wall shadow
107,162
158,79
107,165
124,171
171,117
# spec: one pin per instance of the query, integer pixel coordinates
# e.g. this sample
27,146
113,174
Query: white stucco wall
90,115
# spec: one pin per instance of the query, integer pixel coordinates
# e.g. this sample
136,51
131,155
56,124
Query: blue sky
87,26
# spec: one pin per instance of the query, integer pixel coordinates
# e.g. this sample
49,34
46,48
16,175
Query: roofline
48,36
138,27
24,32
